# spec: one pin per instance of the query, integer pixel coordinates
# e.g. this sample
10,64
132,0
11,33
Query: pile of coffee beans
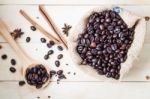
105,42
37,76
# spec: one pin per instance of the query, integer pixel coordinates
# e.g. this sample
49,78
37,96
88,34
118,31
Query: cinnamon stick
52,25
40,28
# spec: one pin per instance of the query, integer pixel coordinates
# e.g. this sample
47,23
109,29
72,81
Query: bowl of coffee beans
37,76
107,41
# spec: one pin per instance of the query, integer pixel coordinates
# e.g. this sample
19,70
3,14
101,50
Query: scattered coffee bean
4,56
52,42
60,56
38,97
60,48
105,42
43,40
49,45
52,72
21,83
50,52
28,39
74,73
37,17
68,72
57,63
33,28
147,77
13,61
46,57
58,80
147,18
49,96
59,72
12,69
37,76
62,76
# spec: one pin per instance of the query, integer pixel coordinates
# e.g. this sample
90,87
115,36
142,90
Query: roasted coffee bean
13,61
105,42
4,56
101,26
52,42
49,45
28,39
60,48
12,69
60,72
60,56
62,76
93,45
52,72
21,83
43,40
50,52
46,57
33,28
57,63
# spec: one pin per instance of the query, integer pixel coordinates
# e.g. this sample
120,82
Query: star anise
66,29
17,33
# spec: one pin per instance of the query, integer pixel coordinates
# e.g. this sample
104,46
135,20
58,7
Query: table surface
80,86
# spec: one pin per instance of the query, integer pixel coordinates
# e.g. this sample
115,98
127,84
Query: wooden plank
76,90
137,73
75,2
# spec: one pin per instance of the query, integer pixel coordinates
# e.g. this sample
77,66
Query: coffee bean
108,20
33,28
60,48
4,56
43,40
101,27
49,96
60,72
52,42
52,72
57,63
50,52
38,86
21,83
28,39
60,56
46,57
12,69
49,45
93,45
13,61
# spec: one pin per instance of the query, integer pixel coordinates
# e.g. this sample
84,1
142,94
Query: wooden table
81,85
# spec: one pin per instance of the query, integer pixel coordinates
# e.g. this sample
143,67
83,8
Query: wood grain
81,85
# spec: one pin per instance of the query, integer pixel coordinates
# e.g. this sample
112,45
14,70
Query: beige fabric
133,52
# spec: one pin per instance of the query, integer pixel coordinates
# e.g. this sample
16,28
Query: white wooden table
81,85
